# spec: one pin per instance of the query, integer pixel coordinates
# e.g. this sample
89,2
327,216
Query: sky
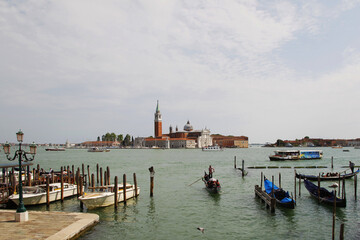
268,70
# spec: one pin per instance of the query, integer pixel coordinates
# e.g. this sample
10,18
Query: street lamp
21,155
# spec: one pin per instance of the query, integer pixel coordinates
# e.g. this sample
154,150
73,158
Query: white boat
106,198
35,195
282,155
212,148
95,149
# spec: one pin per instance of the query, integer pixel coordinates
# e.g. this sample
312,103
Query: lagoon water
177,209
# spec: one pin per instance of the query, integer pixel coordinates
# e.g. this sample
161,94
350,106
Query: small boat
212,148
346,150
328,176
54,149
282,197
106,196
282,155
211,184
95,149
337,146
34,195
325,196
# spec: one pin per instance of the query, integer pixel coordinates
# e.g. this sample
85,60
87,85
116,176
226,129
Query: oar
195,181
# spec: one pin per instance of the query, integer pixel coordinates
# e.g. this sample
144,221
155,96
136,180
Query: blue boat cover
268,189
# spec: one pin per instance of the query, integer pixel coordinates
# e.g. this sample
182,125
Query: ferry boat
212,148
282,155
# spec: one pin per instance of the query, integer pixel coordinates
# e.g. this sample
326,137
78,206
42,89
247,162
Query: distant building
89,144
230,141
188,138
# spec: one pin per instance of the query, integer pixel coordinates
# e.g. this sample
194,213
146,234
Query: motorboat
105,197
95,149
282,155
34,195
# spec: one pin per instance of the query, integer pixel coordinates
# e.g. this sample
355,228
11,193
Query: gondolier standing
351,165
211,170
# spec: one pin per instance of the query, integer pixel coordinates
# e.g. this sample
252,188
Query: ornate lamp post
21,213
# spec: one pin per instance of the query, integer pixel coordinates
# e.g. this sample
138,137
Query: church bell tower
158,122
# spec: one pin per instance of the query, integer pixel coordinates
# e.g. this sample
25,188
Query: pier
68,225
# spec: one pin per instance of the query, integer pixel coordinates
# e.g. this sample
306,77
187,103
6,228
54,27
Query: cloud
110,61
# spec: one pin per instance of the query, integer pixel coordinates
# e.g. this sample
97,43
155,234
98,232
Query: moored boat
326,196
282,197
282,155
55,149
34,195
106,197
330,176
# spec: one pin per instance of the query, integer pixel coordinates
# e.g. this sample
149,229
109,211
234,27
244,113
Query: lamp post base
21,216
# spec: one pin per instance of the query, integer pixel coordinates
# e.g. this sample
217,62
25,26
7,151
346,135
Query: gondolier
351,165
211,170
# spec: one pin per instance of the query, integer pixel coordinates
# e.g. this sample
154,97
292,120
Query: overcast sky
264,69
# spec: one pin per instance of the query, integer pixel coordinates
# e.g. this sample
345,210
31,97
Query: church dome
188,127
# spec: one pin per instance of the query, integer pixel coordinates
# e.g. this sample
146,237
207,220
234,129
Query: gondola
282,197
328,176
211,184
325,196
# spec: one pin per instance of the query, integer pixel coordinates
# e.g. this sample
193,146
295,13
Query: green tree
127,140
120,138
280,143
98,138
112,137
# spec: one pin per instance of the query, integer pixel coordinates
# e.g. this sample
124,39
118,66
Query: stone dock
46,225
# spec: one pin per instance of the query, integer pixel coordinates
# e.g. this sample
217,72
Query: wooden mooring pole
88,171
81,190
295,186
334,215
97,173
108,174
47,191
235,162
319,189
299,186
242,168
93,182
355,186
279,180
116,192
152,174
342,231
124,187
135,183
101,177
62,184
332,163
261,180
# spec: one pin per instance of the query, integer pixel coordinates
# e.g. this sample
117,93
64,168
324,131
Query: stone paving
45,225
